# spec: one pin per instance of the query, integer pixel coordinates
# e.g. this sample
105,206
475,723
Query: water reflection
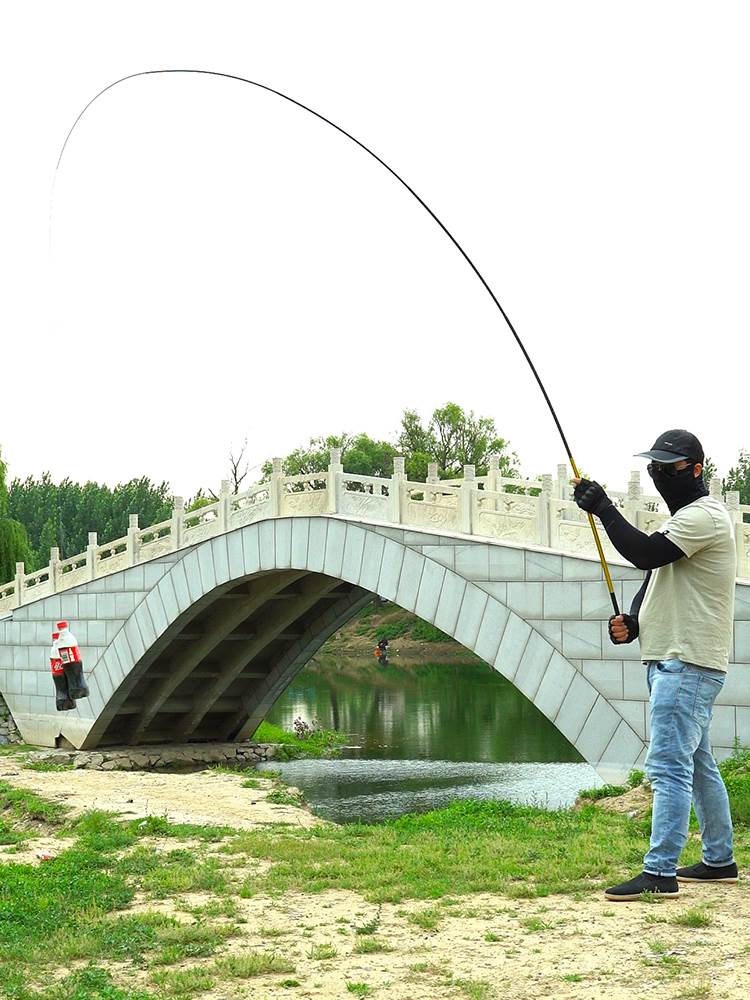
423,736
464,712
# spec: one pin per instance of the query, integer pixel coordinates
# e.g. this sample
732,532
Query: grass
428,919
602,792
463,848
535,924
46,765
321,952
320,743
283,796
22,804
90,983
694,917
424,632
370,945
71,911
736,773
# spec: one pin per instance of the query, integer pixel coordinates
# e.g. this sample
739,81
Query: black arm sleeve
644,551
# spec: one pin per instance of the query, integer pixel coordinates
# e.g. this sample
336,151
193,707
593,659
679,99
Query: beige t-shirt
688,610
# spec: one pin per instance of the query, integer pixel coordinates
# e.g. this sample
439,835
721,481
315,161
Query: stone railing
537,512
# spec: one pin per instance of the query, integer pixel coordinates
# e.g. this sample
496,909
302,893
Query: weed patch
463,848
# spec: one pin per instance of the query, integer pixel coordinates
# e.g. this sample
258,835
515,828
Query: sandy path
607,946
204,797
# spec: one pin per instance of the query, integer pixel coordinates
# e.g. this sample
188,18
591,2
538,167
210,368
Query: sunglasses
666,469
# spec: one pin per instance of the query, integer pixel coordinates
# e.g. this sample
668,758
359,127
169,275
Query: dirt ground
563,947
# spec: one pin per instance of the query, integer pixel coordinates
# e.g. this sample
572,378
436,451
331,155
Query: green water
420,736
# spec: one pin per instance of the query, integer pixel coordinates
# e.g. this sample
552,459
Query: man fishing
683,617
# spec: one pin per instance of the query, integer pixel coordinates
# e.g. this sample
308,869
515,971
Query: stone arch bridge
191,629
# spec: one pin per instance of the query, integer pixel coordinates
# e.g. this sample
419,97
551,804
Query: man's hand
623,628
590,497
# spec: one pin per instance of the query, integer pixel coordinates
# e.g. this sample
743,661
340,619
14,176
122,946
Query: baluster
396,498
544,511
275,487
223,507
54,568
20,575
178,523
133,545
335,473
91,567
466,498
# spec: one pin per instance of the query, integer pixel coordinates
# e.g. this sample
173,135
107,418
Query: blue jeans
681,767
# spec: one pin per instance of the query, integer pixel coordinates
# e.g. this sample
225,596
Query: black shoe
664,885
707,873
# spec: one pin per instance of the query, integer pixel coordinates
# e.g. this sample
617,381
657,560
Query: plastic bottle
72,663
63,701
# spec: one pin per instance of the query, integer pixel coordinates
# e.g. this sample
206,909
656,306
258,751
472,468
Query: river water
421,736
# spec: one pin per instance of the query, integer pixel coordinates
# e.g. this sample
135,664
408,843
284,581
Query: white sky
224,264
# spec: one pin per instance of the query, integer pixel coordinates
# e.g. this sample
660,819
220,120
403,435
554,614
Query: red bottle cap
55,635
62,625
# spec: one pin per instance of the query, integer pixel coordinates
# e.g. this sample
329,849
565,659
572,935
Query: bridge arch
298,580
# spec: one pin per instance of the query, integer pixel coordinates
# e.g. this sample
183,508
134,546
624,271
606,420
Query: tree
416,445
709,471
47,540
453,438
14,541
238,469
75,509
738,477
361,454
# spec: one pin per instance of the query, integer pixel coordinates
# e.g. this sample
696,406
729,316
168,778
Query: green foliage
24,805
635,778
68,511
603,792
362,455
738,477
91,983
392,630
736,773
47,540
454,437
318,743
14,540
424,632
14,548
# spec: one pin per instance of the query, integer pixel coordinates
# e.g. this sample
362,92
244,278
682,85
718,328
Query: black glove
591,497
631,623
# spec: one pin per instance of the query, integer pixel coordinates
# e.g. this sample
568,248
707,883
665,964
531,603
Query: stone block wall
8,728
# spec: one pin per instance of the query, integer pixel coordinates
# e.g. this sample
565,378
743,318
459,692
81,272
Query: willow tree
14,542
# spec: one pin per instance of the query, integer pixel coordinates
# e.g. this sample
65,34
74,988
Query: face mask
680,489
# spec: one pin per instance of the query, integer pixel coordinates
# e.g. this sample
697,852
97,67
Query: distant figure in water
381,652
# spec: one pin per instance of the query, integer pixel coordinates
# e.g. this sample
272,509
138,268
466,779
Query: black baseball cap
671,446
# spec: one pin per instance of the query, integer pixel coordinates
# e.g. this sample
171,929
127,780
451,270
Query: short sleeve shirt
688,610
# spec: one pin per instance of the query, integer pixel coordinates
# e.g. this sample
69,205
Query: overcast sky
216,263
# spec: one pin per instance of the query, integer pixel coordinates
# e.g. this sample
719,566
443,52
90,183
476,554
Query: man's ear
697,470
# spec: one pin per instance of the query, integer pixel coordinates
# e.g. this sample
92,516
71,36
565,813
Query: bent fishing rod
425,206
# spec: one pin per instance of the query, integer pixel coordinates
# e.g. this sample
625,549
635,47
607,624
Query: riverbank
412,641
213,885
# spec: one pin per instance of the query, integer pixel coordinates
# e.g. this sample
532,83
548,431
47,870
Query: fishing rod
425,206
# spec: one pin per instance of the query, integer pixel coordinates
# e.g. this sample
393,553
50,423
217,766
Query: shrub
425,632
391,630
